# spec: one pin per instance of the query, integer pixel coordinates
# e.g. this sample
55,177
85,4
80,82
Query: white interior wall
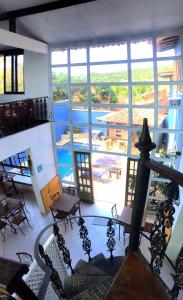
39,142
36,83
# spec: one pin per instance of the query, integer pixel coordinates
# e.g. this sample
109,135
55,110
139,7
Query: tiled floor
18,242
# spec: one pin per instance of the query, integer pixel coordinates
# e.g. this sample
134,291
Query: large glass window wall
102,93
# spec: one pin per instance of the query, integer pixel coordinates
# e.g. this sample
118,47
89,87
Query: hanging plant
29,162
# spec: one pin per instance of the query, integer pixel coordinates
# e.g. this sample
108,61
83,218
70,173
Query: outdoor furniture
6,211
100,174
115,170
107,162
64,206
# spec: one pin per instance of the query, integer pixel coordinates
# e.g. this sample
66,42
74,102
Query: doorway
109,178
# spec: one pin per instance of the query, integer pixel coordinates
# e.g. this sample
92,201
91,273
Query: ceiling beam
41,8
15,40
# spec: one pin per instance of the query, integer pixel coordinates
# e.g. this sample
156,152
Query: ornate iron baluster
110,234
41,109
159,236
61,246
44,109
55,279
178,278
83,235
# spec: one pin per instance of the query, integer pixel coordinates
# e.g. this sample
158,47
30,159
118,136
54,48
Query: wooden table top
126,218
12,203
65,203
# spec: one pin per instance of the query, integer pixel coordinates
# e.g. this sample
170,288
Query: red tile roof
121,117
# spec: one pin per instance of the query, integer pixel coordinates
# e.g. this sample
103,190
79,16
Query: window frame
13,53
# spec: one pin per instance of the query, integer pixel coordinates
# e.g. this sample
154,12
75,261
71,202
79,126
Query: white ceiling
95,21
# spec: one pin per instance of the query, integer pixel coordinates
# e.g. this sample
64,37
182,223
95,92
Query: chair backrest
114,211
55,196
25,258
70,190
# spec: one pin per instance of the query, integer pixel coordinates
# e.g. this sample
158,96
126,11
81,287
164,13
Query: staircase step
110,266
74,285
90,270
95,260
97,292
80,264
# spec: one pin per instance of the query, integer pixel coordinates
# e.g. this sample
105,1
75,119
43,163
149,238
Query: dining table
7,206
66,203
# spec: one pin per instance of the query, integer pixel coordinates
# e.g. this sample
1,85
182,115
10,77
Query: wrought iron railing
87,243
20,115
88,247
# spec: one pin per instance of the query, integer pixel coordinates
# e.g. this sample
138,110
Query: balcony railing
20,115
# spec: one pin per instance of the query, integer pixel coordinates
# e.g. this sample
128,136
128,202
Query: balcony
17,116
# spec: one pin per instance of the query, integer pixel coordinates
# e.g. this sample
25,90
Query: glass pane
142,71
109,139
78,74
79,115
168,144
8,79
79,94
20,73
59,57
66,173
64,156
62,134
135,139
172,118
138,114
108,53
168,46
60,94
109,73
1,74
110,116
109,94
80,138
170,95
141,49
169,70
61,113
143,94
78,55
59,75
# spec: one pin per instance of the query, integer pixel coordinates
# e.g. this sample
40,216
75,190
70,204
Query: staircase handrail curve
36,247
40,261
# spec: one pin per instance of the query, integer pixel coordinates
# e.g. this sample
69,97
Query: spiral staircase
100,276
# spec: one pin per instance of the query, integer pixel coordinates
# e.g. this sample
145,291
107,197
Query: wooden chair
2,227
57,216
15,193
25,258
18,216
70,190
126,227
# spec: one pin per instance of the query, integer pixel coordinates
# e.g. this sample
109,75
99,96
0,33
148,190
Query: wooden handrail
165,171
11,278
135,281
